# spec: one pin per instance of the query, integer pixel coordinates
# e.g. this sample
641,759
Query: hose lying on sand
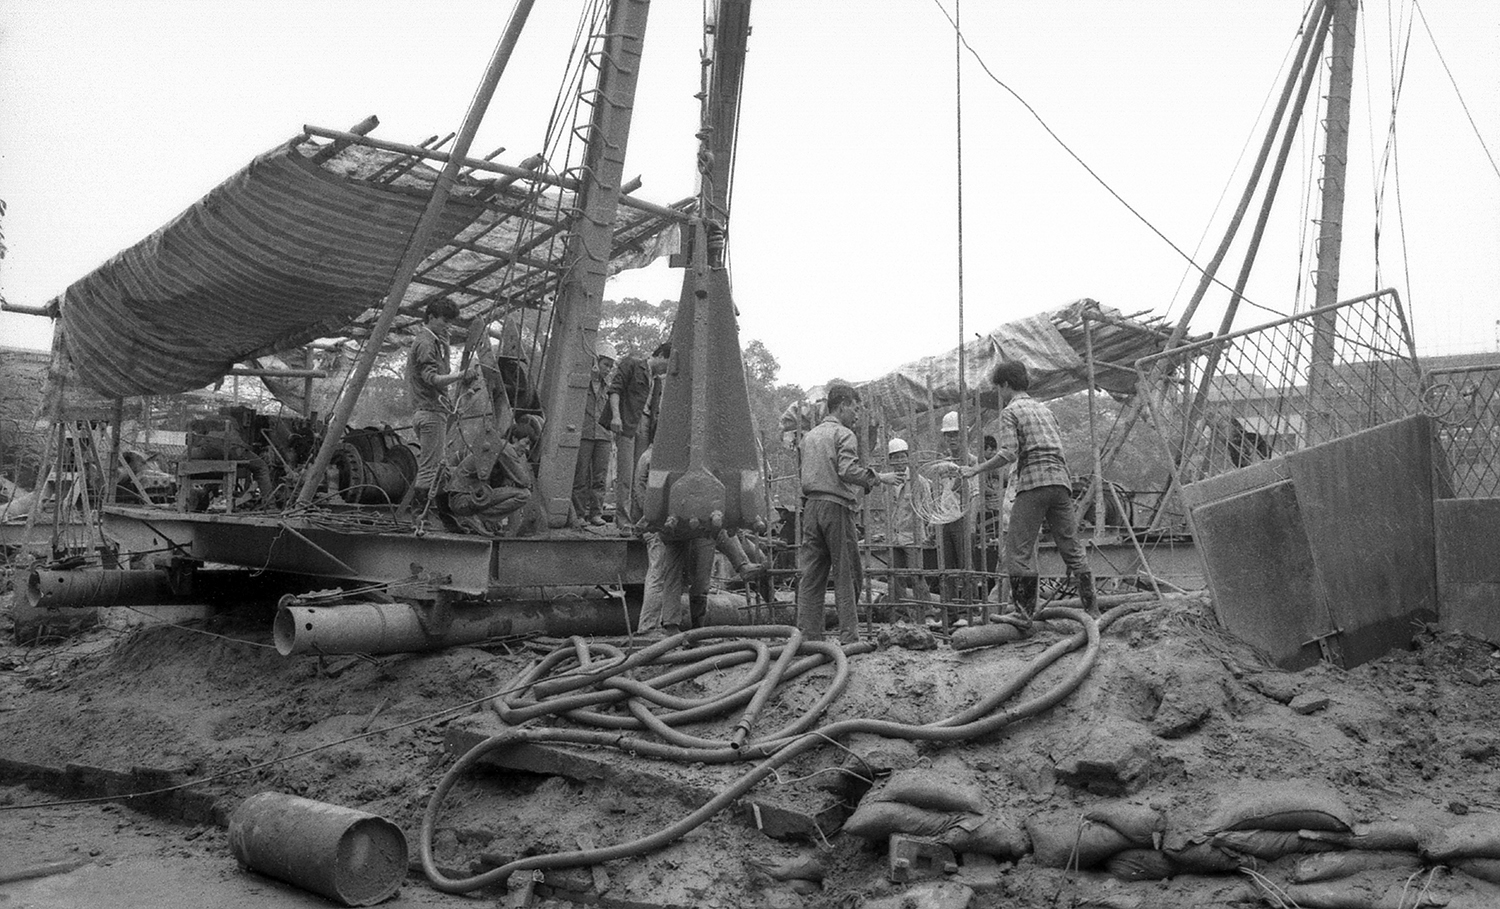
591,683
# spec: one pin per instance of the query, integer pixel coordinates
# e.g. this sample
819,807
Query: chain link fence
1465,402
1227,402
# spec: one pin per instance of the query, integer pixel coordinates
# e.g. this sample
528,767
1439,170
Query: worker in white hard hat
594,443
956,538
906,533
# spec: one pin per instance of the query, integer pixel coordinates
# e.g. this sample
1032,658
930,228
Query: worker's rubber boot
1023,594
1086,594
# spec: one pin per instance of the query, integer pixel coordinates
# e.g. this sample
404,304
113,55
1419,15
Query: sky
844,235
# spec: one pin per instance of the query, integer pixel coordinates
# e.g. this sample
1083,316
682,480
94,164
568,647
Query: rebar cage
1229,401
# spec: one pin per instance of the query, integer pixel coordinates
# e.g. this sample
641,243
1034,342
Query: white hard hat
896,445
605,349
950,422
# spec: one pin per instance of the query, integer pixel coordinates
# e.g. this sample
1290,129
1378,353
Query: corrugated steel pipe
92,588
399,627
349,856
777,748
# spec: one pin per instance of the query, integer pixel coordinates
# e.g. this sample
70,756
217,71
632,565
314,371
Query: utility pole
1331,213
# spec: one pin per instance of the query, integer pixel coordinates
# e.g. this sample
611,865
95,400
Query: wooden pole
416,251
114,452
1132,414
511,171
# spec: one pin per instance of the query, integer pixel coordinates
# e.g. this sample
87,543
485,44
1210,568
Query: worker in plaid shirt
1029,437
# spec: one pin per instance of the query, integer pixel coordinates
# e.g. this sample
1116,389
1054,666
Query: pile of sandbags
944,806
1248,826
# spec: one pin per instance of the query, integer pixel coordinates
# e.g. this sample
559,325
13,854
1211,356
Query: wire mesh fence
1465,403
1230,401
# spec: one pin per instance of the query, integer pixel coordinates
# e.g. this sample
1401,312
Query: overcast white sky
116,116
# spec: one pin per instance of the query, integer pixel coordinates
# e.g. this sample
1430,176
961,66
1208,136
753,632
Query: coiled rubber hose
590,683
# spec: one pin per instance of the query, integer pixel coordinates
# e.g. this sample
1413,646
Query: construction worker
1029,436
593,443
832,478
956,537
629,416
908,533
427,381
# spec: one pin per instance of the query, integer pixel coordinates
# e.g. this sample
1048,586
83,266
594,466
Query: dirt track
1411,736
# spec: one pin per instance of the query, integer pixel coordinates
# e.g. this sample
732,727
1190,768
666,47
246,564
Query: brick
1309,702
914,858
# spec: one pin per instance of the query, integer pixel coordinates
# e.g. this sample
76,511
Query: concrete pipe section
346,855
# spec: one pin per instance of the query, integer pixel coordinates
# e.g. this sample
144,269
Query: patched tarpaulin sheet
299,246
1055,361
275,256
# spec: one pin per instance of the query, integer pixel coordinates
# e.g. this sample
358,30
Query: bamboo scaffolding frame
478,164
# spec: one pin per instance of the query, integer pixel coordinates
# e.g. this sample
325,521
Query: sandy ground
1413,736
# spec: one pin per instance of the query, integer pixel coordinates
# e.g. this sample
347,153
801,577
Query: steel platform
473,565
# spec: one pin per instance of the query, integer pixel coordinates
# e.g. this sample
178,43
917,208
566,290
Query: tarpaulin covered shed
302,244
1052,344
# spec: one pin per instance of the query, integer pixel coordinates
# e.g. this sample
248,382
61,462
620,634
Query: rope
935,500
1461,102
1098,179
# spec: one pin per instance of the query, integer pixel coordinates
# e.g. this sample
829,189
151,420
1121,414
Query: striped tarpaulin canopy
302,244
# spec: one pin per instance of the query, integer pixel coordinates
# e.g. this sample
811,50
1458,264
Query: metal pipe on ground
60,603
399,627
89,589
355,858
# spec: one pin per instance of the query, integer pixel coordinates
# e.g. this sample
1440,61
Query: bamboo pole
517,173
416,250
114,452
1129,418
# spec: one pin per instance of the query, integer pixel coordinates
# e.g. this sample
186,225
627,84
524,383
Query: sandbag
1268,845
878,820
1474,836
933,789
989,835
1206,858
1332,866
1140,865
1486,869
1141,824
1346,895
1381,836
1066,841
1291,805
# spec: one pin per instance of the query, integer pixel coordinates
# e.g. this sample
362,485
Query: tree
635,326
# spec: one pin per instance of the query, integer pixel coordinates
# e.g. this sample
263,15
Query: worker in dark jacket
832,479
628,415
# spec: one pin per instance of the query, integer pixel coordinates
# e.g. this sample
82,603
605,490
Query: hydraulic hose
773,750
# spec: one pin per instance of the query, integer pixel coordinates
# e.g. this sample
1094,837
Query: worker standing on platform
629,416
1029,436
832,478
427,381
593,443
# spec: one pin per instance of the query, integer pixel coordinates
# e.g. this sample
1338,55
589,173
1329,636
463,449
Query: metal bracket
1329,646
